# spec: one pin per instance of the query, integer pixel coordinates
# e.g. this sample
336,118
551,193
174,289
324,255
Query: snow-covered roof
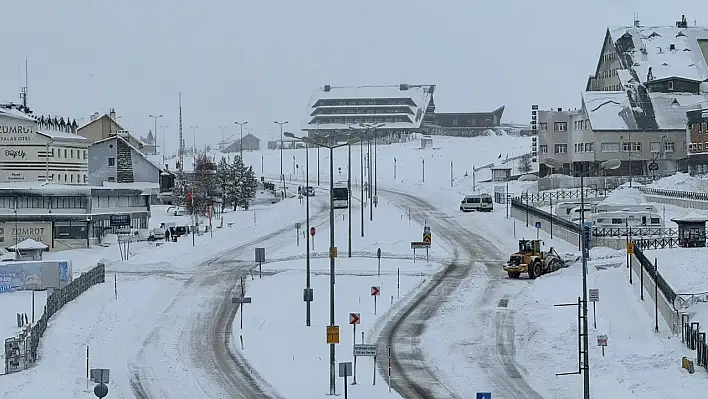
608,110
652,48
39,187
15,113
29,244
691,217
56,134
132,147
420,95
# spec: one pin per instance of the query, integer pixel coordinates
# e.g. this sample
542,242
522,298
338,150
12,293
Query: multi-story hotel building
634,105
40,148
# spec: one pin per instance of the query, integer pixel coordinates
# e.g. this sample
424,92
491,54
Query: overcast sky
260,60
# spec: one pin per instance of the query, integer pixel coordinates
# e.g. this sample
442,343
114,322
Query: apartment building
697,139
634,106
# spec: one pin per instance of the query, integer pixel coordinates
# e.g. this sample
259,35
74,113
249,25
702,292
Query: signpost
241,300
594,297
602,342
101,377
630,248
260,258
345,370
333,252
354,319
378,255
427,235
332,334
297,235
420,245
312,233
538,229
365,350
375,291
122,220
484,395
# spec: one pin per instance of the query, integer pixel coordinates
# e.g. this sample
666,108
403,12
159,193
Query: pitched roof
132,147
15,113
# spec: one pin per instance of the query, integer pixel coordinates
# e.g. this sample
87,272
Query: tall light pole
240,146
163,127
331,145
194,145
155,118
282,176
308,298
607,165
373,128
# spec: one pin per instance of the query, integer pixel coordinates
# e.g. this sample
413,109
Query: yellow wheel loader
531,260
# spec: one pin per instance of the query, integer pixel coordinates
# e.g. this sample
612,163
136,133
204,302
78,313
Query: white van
478,202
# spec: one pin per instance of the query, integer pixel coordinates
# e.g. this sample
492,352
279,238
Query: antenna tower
23,90
181,141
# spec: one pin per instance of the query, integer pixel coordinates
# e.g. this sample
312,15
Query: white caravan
625,208
619,219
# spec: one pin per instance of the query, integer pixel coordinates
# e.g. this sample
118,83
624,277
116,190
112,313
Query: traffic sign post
101,377
297,235
333,252
538,229
427,235
594,297
630,248
332,334
312,233
484,395
375,291
345,370
419,245
602,342
241,300
260,258
365,350
354,319
378,255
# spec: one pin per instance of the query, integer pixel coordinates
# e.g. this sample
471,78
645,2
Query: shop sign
38,231
10,133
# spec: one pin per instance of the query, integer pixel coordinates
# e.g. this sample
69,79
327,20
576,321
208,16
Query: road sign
313,231
100,376
100,390
298,225
333,252
354,318
260,255
345,369
419,244
332,334
653,166
375,291
538,225
308,295
427,236
630,248
484,395
594,295
244,299
365,350
119,220
378,253
602,340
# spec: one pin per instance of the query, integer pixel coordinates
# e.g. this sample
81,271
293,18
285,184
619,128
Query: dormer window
680,33
653,34
670,84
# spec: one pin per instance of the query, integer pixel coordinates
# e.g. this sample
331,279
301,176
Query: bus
340,195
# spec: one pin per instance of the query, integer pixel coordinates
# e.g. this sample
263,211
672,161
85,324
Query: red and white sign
312,231
354,318
375,291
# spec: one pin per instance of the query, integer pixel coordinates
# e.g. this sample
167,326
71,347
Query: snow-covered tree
201,186
525,163
249,185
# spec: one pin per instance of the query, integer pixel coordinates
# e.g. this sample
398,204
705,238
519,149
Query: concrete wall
569,236
666,308
682,202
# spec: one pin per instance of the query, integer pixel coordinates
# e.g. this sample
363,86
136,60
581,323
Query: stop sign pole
313,231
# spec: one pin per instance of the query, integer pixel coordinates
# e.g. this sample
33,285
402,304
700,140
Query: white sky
260,60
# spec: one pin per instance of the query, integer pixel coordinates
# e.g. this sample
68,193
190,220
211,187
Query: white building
634,105
403,109
40,148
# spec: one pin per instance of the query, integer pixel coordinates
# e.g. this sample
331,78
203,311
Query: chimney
327,88
672,47
112,113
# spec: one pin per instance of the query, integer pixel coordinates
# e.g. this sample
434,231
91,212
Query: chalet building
402,109
102,127
467,124
634,107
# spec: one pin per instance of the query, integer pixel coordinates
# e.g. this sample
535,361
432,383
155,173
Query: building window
669,146
655,147
65,152
543,148
632,146
84,179
543,126
589,147
111,162
111,178
610,147
560,126
85,154
561,148
671,84
72,178
71,153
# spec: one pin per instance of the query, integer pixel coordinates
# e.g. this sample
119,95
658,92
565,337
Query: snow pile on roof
609,110
625,195
652,48
691,216
29,244
681,182
670,108
15,113
57,134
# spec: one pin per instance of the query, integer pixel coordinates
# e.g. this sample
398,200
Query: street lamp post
282,176
607,165
163,127
155,118
349,192
308,300
240,145
373,128
331,145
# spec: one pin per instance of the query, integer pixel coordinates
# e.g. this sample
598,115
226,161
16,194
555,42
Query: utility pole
240,146
376,168
163,127
371,187
307,231
282,176
361,163
332,386
155,118
349,190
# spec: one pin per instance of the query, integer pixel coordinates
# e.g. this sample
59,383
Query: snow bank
681,182
625,195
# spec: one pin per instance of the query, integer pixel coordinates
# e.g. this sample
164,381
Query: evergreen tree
179,191
202,186
249,185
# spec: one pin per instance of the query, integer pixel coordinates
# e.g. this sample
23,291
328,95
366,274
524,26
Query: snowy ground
277,322
12,303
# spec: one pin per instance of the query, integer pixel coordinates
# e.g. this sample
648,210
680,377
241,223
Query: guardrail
541,214
635,232
692,195
664,286
695,339
30,338
559,195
